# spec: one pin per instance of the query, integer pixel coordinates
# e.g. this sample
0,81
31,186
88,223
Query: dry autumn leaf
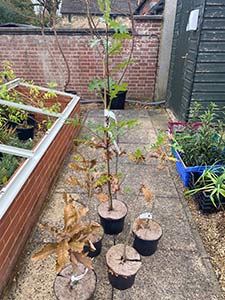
148,195
73,180
62,255
75,167
102,197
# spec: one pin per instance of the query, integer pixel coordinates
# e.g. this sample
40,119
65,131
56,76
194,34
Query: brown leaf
75,167
148,195
102,197
82,212
73,180
62,255
77,246
91,245
84,260
70,216
93,163
73,260
44,252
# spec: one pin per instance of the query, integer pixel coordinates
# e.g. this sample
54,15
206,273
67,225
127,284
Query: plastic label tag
78,277
110,114
146,215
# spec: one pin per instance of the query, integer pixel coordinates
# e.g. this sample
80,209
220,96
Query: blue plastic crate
184,171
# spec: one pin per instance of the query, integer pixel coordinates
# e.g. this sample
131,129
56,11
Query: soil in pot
112,220
122,273
84,289
147,233
96,238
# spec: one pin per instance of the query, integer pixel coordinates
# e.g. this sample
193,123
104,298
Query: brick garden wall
22,215
37,58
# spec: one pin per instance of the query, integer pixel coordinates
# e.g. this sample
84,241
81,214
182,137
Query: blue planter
184,171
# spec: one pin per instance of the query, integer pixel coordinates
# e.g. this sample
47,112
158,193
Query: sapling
68,243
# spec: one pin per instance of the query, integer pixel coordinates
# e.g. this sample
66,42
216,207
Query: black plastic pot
11,125
119,282
98,247
122,273
148,245
112,226
31,120
118,102
144,247
25,133
203,198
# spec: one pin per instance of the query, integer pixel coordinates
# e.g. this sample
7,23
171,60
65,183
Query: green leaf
94,42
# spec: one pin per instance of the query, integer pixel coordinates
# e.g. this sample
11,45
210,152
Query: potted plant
147,232
209,189
104,181
75,276
111,86
197,149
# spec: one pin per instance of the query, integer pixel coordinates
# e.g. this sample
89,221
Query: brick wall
16,224
37,58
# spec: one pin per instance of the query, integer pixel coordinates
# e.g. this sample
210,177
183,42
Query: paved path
179,270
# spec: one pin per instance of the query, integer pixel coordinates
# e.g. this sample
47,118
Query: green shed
197,67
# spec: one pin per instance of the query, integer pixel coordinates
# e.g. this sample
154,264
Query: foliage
68,244
212,181
205,145
17,11
116,34
35,97
8,165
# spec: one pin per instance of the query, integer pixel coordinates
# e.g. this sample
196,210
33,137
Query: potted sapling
124,261
75,276
147,232
112,212
115,39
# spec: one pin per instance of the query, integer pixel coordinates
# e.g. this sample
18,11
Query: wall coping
65,31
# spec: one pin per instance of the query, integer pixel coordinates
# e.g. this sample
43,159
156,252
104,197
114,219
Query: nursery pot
25,133
84,289
122,272
146,236
118,102
31,120
112,220
96,238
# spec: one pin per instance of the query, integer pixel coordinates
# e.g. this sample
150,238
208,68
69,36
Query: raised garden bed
22,197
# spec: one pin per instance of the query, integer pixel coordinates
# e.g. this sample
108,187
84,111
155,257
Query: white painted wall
165,48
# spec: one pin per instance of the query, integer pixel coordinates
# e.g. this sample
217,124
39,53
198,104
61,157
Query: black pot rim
149,240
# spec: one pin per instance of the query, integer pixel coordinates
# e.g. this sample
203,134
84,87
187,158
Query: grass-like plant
212,181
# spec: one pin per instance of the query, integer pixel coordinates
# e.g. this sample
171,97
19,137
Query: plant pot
112,220
122,274
118,102
11,125
31,120
203,197
25,133
96,238
185,171
146,236
84,289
